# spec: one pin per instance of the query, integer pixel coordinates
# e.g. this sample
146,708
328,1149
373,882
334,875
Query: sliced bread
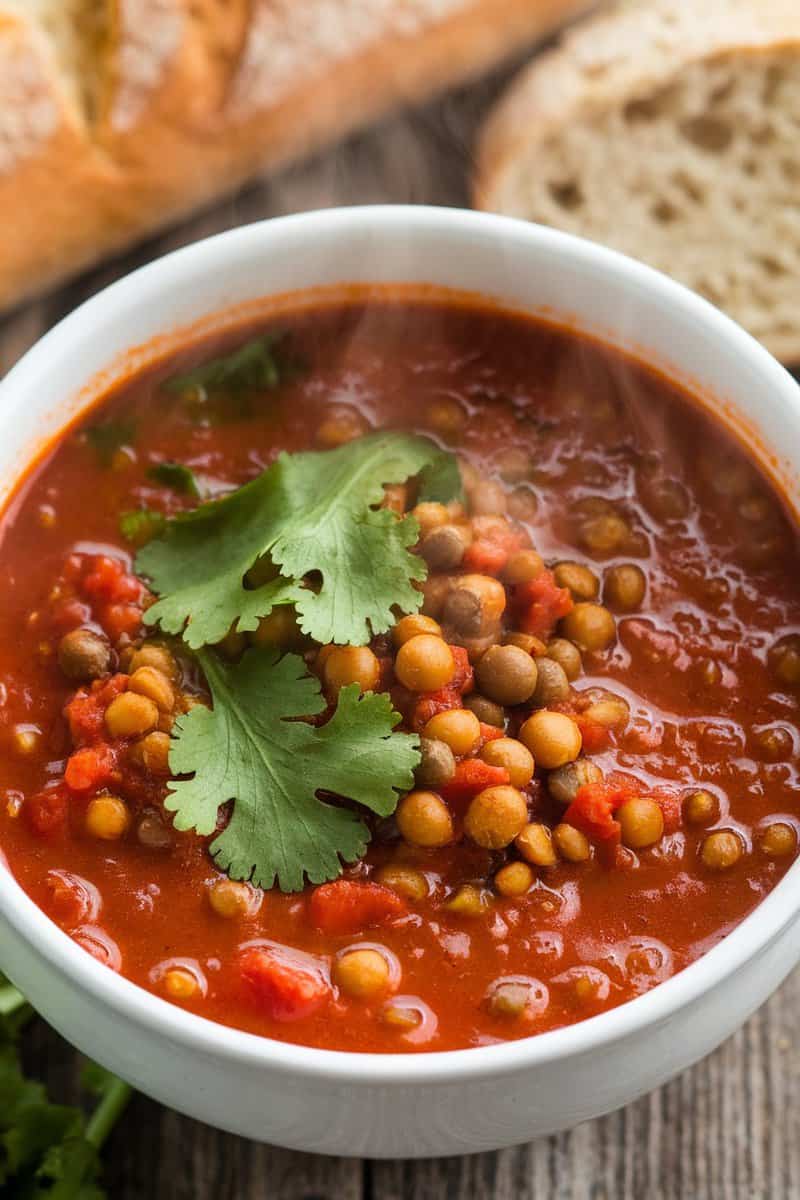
672,134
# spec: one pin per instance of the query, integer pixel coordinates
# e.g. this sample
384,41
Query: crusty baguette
668,129
118,116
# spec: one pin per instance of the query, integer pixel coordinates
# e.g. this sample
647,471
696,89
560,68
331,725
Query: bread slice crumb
675,138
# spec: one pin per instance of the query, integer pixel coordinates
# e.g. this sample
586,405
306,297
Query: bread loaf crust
190,98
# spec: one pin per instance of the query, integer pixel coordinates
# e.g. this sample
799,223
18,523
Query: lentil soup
322,770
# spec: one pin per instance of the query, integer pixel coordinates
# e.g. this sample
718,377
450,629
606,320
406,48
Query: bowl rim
195,1033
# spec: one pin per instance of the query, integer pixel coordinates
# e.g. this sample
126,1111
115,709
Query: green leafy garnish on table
314,514
255,748
176,476
49,1151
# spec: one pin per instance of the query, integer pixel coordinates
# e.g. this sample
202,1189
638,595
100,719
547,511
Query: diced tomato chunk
485,557
73,568
90,768
472,776
671,810
109,581
69,614
85,717
596,737
594,806
289,991
117,619
428,704
495,541
463,679
431,703
348,906
101,578
115,596
86,710
490,733
540,603
47,812
107,689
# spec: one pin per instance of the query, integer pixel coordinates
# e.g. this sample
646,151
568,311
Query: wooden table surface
728,1128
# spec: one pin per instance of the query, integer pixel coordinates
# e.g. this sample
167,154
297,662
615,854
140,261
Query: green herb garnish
49,1151
315,515
253,367
309,531
176,476
254,748
441,480
139,525
106,437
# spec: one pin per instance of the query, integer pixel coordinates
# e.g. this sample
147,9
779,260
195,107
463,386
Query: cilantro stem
12,1001
108,1112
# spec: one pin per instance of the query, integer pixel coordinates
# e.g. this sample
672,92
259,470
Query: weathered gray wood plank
727,1130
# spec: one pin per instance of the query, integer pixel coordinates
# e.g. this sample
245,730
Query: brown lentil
578,579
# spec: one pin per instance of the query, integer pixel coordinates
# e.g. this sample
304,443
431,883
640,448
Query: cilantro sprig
108,436
309,531
252,367
176,476
256,747
225,387
139,525
49,1151
313,514
441,480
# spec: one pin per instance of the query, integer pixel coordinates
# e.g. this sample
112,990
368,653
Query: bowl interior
519,266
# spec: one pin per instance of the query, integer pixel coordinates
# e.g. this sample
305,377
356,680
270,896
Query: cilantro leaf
96,1079
251,749
31,1126
176,476
105,437
69,1171
441,480
139,525
314,512
253,367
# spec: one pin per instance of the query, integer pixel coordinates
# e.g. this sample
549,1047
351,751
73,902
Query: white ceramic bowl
425,1104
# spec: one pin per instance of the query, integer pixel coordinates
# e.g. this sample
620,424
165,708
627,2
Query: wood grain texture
726,1130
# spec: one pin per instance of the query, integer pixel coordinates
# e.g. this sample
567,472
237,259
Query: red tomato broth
716,594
